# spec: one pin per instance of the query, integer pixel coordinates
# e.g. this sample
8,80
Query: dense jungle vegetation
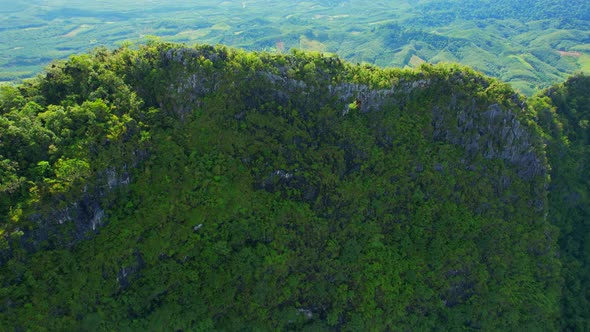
569,199
173,188
530,44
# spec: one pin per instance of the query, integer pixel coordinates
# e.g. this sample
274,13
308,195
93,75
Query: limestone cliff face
460,111
76,219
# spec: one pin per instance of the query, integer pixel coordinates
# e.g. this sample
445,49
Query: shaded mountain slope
564,114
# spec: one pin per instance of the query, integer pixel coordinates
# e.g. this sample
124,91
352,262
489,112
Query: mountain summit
207,188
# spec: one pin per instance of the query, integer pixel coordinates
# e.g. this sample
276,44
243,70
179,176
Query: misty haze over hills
530,44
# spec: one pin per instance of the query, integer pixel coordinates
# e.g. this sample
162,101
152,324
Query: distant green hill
207,188
529,44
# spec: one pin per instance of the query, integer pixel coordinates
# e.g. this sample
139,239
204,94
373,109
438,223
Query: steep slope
219,189
564,113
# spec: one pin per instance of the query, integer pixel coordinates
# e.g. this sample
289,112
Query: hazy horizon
528,44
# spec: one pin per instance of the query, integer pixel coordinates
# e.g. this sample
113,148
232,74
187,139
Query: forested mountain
208,188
